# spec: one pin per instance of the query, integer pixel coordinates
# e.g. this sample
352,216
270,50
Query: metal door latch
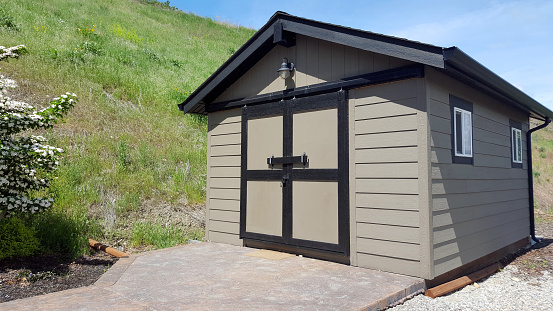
284,180
287,160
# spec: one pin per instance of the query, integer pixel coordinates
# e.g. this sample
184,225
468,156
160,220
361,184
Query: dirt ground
534,261
34,276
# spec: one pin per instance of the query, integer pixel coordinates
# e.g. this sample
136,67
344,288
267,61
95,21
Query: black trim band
385,76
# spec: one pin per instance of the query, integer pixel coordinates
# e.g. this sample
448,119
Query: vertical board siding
480,208
316,61
223,173
386,174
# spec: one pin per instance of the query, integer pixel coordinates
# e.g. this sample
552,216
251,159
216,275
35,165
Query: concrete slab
212,276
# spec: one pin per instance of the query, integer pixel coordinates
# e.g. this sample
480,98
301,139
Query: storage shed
370,150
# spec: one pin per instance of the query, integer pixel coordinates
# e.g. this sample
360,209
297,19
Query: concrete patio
212,276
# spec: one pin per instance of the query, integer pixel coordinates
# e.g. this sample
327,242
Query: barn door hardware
287,160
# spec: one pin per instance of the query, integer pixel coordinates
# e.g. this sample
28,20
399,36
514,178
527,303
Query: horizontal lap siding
223,193
386,177
480,208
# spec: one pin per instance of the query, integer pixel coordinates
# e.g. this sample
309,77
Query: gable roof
451,61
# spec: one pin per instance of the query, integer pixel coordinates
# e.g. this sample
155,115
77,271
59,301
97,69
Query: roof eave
459,64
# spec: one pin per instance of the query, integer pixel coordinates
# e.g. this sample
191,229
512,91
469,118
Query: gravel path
504,290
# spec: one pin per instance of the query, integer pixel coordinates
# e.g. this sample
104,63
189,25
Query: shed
376,151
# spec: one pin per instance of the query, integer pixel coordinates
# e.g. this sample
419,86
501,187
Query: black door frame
286,108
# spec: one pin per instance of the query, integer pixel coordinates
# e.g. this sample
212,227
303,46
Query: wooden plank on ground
450,286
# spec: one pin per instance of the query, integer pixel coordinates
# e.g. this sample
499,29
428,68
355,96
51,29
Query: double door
294,178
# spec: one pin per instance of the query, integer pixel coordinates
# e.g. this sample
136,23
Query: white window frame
466,117
516,144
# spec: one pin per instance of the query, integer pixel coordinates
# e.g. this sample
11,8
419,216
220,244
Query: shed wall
480,208
316,61
390,149
223,177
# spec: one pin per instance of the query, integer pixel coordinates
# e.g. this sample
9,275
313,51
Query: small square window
461,131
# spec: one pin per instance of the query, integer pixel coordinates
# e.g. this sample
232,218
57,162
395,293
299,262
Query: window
516,144
461,130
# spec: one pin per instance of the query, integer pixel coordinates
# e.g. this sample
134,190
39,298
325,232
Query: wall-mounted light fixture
285,68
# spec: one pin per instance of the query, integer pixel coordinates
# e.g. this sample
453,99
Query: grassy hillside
134,167
542,161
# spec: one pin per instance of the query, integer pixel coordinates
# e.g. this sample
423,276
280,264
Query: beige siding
386,157
223,177
480,208
316,61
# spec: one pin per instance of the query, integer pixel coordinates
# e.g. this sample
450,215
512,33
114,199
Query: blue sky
512,38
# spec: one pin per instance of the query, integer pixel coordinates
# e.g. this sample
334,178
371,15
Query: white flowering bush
13,51
26,160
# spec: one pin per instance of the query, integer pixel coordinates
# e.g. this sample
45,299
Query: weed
166,4
541,149
543,155
80,52
54,53
63,233
40,28
28,275
87,30
535,263
536,174
6,21
17,238
159,235
123,152
176,63
129,35
152,55
179,94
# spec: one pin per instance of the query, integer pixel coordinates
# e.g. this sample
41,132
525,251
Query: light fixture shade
284,73
285,69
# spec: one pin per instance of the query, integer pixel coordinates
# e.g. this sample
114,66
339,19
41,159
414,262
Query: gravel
505,290
526,283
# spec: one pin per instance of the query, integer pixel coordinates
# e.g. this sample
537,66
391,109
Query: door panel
264,207
264,140
288,201
315,211
316,134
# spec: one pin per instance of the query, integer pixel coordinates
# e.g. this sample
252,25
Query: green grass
542,164
130,63
160,236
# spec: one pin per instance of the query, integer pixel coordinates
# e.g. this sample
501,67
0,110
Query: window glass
463,133
467,133
458,131
516,135
519,145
